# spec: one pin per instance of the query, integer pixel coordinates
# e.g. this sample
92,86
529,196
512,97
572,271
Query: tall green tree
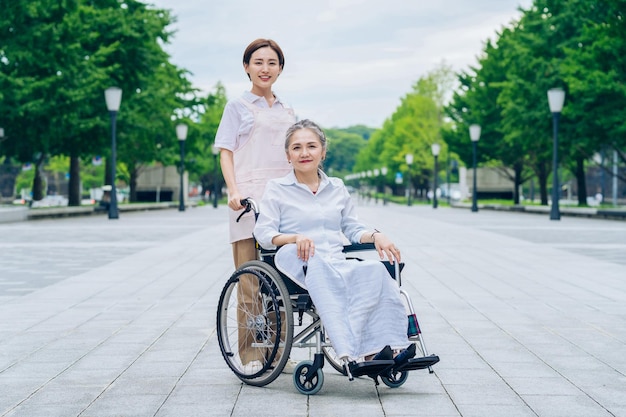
147,123
594,68
479,101
36,45
507,94
344,145
546,32
56,60
363,131
412,129
204,166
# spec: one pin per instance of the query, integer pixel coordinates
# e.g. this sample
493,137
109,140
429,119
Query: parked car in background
51,201
454,189
21,202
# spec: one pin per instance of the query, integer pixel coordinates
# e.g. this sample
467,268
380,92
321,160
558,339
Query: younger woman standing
250,136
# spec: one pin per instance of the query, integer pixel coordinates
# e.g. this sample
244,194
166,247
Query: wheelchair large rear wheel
255,323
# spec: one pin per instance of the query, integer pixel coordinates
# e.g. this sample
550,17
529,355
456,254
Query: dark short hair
262,43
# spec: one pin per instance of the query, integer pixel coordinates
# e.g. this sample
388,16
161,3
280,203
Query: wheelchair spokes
253,324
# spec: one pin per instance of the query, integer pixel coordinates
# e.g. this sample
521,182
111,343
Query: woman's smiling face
305,151
264,67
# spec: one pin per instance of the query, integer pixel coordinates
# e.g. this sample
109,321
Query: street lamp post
435,148
362,188
474,136
377,184
113,98
216,152
181,134
409,162
369,174
383,171
556,97
448,179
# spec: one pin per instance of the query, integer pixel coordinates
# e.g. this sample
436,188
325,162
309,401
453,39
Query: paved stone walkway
117,318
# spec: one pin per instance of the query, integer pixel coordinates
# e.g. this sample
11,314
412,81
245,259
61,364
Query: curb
608,214
13,214
17,214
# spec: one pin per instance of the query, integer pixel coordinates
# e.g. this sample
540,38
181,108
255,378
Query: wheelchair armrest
267,251
357,247
392,269
264,251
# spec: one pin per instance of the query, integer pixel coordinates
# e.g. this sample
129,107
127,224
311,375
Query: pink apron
260,159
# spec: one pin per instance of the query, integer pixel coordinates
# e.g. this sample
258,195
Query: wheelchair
256,338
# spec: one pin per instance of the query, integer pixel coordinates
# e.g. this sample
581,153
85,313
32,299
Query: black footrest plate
370,367
419,363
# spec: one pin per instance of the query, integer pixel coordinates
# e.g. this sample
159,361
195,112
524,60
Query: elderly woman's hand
385,246
305,247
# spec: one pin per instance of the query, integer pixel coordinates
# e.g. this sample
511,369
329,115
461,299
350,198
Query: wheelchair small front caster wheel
395,380
311,385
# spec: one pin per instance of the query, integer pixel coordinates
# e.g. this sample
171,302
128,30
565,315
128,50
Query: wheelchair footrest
419,363
370,368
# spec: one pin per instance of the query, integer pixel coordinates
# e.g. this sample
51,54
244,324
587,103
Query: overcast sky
347,62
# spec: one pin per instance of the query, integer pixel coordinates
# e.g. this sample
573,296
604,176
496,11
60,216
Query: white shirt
327,217
237,121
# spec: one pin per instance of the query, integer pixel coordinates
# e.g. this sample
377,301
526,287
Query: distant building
8,173
490,183
158,183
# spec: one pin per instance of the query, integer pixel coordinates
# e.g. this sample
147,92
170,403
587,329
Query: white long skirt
358,301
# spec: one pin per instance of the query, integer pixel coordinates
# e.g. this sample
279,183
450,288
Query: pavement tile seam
43,385
178,377
508,319
563,376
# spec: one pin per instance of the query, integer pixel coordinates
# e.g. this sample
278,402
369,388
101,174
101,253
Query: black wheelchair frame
267,327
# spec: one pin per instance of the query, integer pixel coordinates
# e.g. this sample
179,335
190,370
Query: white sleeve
351,227
268,223
228,130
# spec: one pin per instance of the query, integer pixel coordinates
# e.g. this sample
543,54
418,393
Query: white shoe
252,367
290,366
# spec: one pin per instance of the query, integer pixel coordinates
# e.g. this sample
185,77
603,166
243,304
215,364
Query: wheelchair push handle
249,205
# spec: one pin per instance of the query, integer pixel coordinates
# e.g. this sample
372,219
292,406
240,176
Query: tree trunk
134,173
38,183
74,196
543,183
517,169
581,181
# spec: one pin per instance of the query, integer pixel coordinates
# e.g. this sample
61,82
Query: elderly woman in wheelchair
358,314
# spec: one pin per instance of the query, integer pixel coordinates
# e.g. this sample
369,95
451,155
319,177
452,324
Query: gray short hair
305,124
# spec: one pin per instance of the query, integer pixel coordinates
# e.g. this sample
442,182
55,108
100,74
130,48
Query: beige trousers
248,302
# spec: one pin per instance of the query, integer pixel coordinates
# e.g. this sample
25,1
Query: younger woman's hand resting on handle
234,201
384,246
